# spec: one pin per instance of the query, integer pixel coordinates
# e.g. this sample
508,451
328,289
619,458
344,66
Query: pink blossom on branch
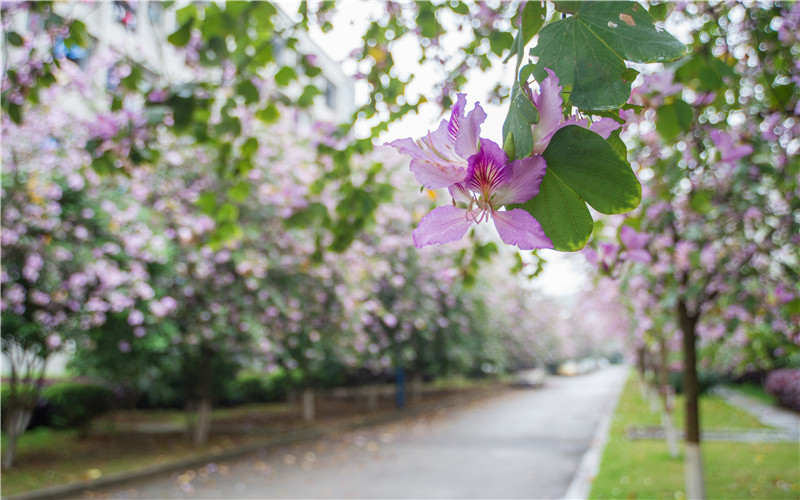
491,183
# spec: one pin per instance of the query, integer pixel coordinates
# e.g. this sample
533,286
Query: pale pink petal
518,227
430,169
456,113
468,132
459,192
604,126
524,181
549,105
441,225
435,175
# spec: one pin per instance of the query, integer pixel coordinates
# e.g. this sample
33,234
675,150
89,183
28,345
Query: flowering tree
715,143
205,184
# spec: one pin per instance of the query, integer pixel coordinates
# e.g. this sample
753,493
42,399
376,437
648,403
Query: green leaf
588,50
562,214
500,41
15,112
78,34
521,115
249,147
673,119
270,114
227,213
581,168
15,39
306,99
533,14
285,75
247,90
207,202
700,200
181,36
103,165
239,191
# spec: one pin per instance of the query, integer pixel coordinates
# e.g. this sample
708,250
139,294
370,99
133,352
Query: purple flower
440,159
549,104
634,243
490,183
729,152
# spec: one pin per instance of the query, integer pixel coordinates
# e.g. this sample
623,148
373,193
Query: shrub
785,385
74,405
705,380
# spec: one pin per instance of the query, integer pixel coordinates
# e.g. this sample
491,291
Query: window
330,94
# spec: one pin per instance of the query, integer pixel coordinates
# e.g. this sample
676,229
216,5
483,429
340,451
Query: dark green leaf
588,51
673,119
533,14
521,115
103,165
181,36
581,168
562,214
14,39
247,90
593,169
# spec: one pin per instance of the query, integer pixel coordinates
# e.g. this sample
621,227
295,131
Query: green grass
644,469
755,391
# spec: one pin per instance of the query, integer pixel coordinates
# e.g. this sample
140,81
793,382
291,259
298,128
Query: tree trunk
695,484
16,424
666,401
202,405
309,411
203,424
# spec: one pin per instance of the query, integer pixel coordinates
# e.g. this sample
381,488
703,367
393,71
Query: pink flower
440,159
634,243
491,182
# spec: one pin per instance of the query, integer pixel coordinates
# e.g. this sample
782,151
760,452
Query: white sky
560,276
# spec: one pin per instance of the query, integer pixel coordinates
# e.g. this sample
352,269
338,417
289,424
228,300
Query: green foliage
581,168
674,119
74,405
588,50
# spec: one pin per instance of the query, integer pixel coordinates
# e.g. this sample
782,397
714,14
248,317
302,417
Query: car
532,377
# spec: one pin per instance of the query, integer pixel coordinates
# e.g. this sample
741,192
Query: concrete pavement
518,444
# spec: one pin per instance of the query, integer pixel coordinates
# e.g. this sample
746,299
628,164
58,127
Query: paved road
524,443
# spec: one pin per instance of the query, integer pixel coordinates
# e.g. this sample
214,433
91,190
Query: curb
581,484
70,490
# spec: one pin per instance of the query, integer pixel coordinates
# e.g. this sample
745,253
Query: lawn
644,469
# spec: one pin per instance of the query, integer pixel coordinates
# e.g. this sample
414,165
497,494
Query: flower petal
524,181
604,126
518,227
441,225
549,105
468,132
432,170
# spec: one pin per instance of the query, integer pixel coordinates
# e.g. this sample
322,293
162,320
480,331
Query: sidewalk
773,416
